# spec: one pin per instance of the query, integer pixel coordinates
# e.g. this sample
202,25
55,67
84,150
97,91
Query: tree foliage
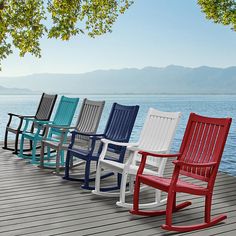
220,11
24,22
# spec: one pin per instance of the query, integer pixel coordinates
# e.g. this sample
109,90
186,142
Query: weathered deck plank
35,202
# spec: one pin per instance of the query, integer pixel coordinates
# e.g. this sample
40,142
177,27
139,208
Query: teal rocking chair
87,122
63,117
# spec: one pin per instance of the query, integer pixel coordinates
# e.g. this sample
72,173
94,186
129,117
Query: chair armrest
181,163
67,128
12,114
86,134
42,122
20,116
29,119
144,158
26,116
61,128
75,132
118,143
162,155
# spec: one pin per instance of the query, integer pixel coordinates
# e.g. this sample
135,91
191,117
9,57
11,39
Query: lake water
208,105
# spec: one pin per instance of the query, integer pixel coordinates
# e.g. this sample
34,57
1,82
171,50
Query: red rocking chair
199,158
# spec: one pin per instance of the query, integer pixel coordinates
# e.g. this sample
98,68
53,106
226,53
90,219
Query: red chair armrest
181,163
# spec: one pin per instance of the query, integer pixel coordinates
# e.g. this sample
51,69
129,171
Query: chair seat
83,152
119,167
54,143
164,184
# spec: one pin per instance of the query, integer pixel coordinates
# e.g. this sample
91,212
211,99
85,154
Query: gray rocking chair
43,112
87,122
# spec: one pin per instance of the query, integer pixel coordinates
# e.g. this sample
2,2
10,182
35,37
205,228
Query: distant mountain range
151,80
17,91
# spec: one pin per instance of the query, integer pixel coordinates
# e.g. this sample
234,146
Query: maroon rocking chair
199,158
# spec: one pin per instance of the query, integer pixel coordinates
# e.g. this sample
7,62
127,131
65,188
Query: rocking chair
88,120
119,127
43,112
63,117
156,136
199,158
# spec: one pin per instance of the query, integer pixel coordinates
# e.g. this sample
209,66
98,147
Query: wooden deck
36,202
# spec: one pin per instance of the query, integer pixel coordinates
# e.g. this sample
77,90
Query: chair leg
136,197
86,177
21,146
62,153
31,144
119,178
123,185
5,144
67,165
97,180
5,139
16,143
41,165
33,160
58,162
208,200
48,153
131,183
71,163
170,206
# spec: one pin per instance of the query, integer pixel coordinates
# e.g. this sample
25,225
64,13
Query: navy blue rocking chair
119,127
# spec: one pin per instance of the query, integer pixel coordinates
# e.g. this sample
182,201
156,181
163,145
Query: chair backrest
65,111
120,124
203,142
89,116
45,107
158,133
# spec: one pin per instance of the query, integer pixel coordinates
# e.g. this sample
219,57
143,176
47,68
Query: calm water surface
209,105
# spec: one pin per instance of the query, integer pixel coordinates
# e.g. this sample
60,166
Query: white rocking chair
156,136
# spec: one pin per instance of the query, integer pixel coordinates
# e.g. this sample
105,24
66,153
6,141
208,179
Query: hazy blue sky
151,33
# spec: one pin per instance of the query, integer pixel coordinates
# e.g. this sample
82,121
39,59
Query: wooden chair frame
119,127
63,117
43,112
199,158
156,136
87,122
